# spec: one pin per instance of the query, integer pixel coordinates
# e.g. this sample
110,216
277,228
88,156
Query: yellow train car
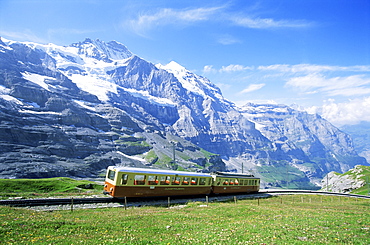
140,182
224,183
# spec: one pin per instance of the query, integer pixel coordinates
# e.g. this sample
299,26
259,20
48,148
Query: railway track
292,192
142,201
265,193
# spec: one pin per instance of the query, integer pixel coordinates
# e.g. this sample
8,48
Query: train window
194,181
202,181
176,180
139,180
236,182
162,180
111,174
186,181
152,180
165,180
225,182
124,179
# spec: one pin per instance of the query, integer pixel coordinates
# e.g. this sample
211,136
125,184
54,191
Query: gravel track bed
153,202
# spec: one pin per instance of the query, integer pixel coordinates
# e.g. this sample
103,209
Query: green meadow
41,188
290,219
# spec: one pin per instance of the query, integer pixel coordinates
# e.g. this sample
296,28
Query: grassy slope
278,220
365,190
46,187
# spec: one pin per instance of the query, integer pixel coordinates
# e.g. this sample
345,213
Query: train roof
157,171
234,175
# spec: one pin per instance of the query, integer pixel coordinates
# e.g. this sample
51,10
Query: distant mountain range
360,134
72,111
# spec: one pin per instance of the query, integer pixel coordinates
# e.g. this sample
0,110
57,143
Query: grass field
38,188
296,219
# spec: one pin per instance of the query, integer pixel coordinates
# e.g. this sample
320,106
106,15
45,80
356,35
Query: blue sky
312,53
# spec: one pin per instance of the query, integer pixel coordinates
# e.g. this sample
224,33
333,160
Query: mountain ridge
80,83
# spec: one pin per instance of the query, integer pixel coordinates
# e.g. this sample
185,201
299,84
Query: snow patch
37,79
4,90
10,99
258,126
95,85
40,112
6,42
132,157
85,104
188,80
154,100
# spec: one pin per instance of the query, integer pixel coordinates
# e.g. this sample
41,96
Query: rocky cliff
351,181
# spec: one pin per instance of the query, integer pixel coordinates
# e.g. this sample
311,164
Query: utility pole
174,152
242,167
327,182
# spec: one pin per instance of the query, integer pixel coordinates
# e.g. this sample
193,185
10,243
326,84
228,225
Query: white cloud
68,31
26,35
223,86
209,69
228,40
296,69
345,86
252,87
351,112
233,68
218,14
229,68
311,68
168,16
265,23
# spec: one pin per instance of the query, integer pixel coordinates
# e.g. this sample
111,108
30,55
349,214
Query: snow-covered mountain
103,94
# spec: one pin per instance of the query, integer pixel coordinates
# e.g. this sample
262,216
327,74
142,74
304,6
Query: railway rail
143,201
264,193
292,192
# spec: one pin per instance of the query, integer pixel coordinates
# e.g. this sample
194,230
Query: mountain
75,110
360,133
303,141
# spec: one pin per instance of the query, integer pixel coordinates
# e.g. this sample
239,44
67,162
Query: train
121,182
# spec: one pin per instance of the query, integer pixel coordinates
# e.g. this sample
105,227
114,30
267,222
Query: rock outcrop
345,183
